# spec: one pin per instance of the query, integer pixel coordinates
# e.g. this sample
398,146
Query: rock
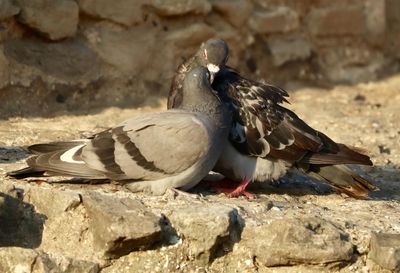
7,9
206,230
341,20
296,241
52,202
4,69
126,12
61,264
17,260
120,225
180,7
287,50
280,19
129,51
20,224
235,12
385,250
375,21
55,19
22,260
192,35
69,61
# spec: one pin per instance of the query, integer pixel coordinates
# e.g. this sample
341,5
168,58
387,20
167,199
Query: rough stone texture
375,16
358,115
284,51
7,9
206,231
117,45
61,201
126,12
120,225
4,70
21,260
297,241
191,35
124,54
279,19
236,12
385,250
337,21
180,7
56,19
20,224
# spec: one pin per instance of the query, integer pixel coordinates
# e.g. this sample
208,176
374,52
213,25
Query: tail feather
26,172
343,179
345,155
57,158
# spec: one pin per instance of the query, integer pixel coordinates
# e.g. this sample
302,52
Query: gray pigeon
267,139
152,152
212,54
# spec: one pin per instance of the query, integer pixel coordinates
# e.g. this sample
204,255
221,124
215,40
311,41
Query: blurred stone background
62,55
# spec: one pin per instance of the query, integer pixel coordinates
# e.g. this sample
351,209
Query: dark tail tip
26,172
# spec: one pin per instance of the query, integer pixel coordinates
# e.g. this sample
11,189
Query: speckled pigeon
151,152
267,139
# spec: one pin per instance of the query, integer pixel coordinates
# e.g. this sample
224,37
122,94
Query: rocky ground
294,225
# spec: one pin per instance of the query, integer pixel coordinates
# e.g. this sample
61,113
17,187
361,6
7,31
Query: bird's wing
264,128
149,147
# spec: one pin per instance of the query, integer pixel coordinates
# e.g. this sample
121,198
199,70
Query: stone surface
4,69
52,202
8,9
385,250
120,225
375,20
21,260
126,12
340,20
362,115
287,50
15,259
191,35
236,12
206,231
70,61
279,19
55,19
129,51
180,7
296,241
20,224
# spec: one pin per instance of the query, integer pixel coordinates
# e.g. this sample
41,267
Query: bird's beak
214,69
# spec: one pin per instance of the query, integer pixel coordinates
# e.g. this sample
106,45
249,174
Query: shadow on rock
387,178
12,154
20,225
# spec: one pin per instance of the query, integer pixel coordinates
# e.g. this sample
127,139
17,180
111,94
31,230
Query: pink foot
232,189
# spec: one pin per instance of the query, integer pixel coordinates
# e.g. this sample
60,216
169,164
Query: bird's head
213,54
197,86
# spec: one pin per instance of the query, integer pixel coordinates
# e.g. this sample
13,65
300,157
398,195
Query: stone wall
62,55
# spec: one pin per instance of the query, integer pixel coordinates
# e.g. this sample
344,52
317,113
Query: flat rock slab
297,241
120,225
385,250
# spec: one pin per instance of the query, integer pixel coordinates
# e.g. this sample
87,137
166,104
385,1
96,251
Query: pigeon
212,54
152,152
266,139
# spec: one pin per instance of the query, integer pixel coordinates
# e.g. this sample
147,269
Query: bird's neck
207,104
